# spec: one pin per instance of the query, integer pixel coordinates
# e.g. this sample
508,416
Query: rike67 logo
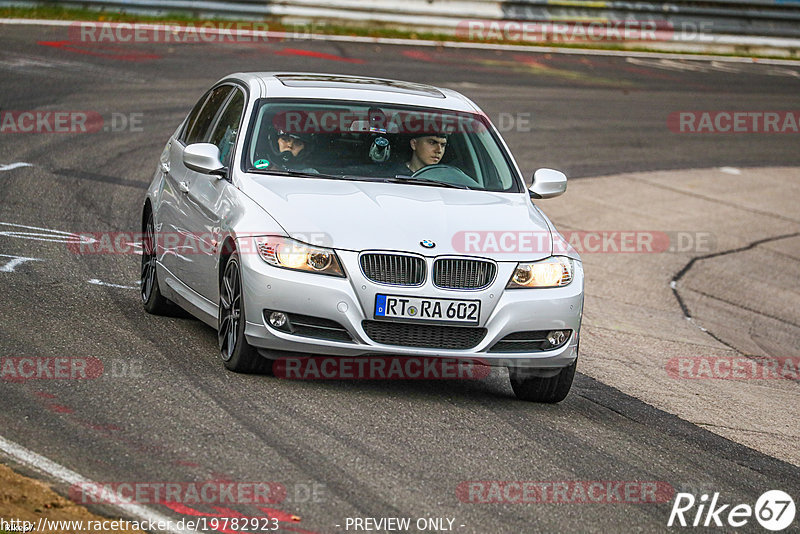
774,510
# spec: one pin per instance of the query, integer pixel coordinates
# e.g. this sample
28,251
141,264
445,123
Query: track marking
23,62
730,170
97,282
137,245
67,476
715,65
485,46
16,165
54,236
15,261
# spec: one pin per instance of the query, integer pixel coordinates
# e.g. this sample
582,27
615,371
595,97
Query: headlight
556,271
291,254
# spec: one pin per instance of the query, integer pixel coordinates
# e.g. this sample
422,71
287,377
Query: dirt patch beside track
26,499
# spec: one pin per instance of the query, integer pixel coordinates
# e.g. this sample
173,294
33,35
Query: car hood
353,215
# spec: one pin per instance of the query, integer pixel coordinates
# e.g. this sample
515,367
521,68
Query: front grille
393,269
458,273
530,341
423,335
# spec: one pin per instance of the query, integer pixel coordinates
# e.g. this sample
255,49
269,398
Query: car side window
224,134
192,118
197,131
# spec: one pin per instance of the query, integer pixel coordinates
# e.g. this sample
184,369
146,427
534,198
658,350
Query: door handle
184,186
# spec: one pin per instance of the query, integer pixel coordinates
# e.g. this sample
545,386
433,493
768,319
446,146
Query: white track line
14,262
415,42
97,282
16,165
62,474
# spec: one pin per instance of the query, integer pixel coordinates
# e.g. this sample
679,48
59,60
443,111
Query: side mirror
548,183
203,158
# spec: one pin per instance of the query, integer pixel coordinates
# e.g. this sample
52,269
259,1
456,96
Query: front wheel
152,299
548,389
237,355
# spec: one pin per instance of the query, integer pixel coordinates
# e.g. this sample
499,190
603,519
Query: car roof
306,85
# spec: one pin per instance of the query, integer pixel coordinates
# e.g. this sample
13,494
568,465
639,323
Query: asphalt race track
165,410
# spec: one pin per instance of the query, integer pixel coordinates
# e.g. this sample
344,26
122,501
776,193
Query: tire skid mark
517,63
317,55
303,458
597,62
107,52
110,432
96,177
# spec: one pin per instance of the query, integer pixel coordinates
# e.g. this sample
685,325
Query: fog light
277,319
556,338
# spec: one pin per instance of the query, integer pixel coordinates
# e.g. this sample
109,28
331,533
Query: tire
237,355
551,389
152,299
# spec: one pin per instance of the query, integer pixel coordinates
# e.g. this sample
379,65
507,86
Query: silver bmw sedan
312,214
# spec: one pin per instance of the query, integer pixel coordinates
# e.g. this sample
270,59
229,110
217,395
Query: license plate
430,310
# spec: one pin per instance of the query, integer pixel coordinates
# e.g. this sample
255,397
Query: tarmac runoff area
712,359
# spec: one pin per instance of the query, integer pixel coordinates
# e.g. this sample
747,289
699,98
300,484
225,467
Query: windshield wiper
422,181
303,174
352,177
294,173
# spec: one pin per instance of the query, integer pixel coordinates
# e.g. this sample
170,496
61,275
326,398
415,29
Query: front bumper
349,301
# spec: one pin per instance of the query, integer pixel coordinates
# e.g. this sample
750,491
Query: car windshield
378,142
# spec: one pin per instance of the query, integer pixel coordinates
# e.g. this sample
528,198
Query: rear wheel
237,355
548,389
154,302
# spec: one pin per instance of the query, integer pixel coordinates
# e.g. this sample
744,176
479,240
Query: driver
293,150
427,149
290,143
289,150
